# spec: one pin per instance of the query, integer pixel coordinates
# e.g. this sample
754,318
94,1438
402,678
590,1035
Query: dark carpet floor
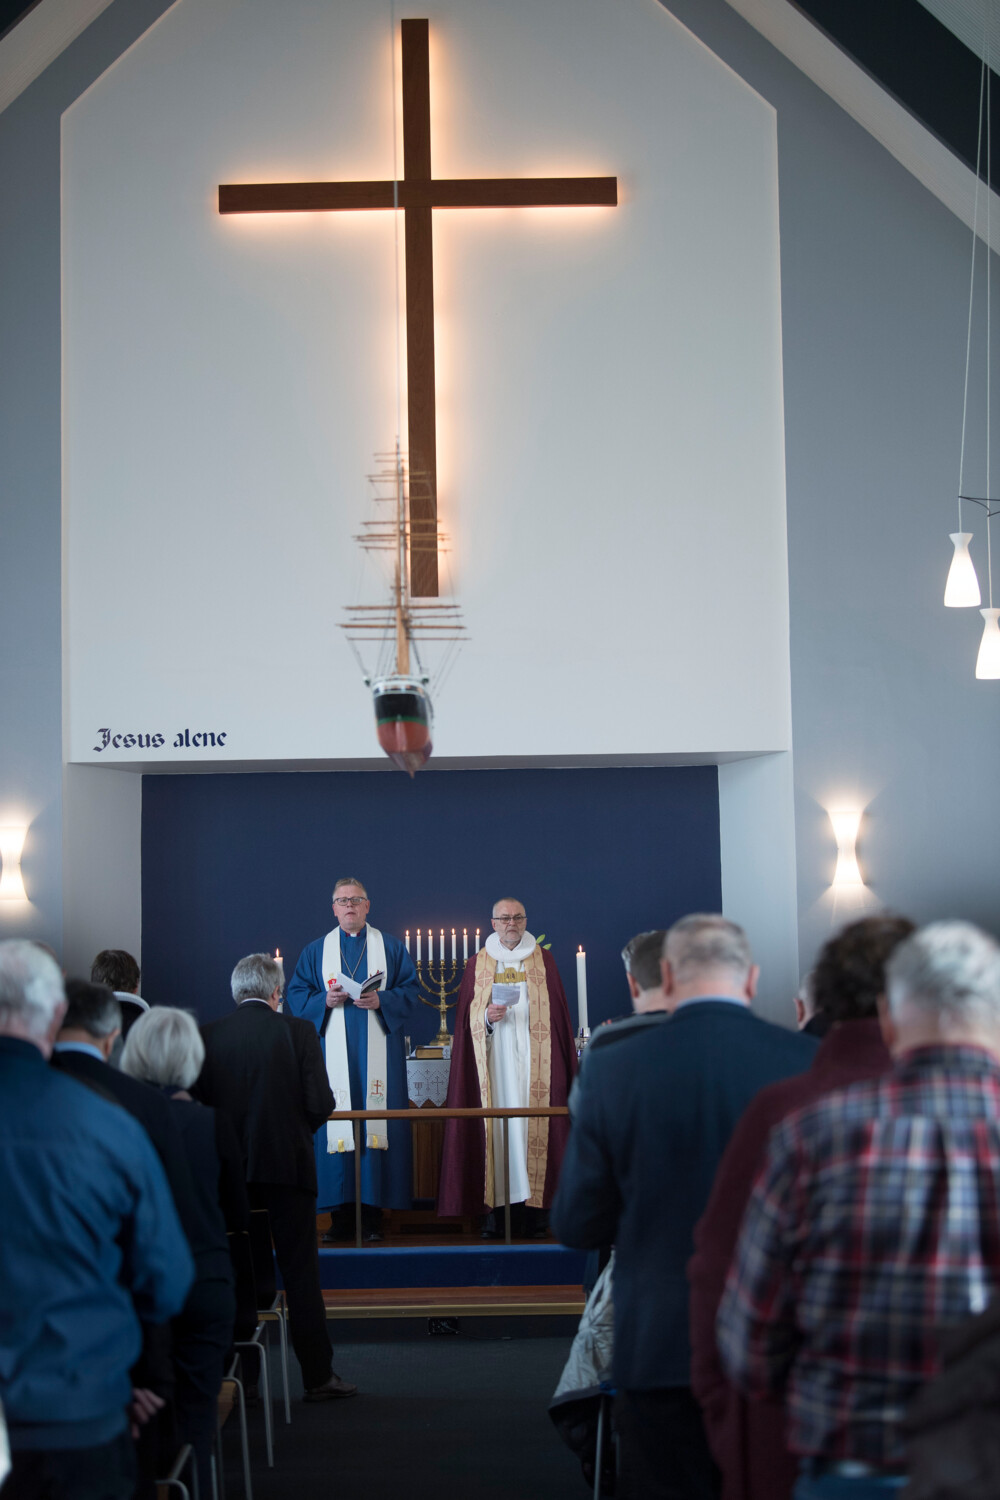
442,1418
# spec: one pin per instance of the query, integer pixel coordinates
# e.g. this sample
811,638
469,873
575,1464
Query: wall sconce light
845,828
11,884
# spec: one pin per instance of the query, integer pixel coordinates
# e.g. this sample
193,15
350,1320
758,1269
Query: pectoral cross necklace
343,957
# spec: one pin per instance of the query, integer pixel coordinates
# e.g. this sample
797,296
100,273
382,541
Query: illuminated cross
418,194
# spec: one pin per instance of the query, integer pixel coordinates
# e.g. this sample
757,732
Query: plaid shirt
875,1222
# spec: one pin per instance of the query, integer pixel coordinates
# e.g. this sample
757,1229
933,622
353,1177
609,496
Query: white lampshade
11,884
988,661
845,828
962,589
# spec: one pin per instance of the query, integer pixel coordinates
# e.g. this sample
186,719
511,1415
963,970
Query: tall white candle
279,961
407,940
418,945
477,939
465,943
581,989
430,945
453,953
442,945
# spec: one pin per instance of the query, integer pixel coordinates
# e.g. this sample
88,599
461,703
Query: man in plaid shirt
875,1223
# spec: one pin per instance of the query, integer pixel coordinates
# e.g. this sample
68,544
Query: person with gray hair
84,1049
32,998
164,1048
358,987
875,1223
79,1181
265,1069
655,1110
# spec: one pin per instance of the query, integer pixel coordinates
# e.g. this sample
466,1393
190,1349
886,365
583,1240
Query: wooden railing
416,1116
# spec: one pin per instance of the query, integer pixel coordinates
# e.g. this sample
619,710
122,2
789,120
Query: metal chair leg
283,1336
173,1480
244,1436
265,1392
602,1408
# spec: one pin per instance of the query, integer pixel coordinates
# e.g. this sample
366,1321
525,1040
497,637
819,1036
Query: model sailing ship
404,715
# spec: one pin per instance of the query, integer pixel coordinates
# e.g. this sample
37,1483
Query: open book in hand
506,994
356,990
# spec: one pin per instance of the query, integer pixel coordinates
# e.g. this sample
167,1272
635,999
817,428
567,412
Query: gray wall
31,771
886,711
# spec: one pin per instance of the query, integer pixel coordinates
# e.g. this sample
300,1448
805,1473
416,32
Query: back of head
91,1008
850,972
31,989
164,1047
641,956
117,969
256,977
948,971
706,943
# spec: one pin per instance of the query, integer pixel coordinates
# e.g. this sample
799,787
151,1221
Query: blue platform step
429,1266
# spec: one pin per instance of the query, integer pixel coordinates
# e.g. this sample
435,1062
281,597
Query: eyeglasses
508,920
349,900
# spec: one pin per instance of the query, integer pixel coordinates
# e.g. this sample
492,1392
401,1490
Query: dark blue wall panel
235,864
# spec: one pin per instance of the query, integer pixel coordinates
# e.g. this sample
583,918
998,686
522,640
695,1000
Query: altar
427,1088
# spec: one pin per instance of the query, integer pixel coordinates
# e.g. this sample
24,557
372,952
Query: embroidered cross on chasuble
537,1132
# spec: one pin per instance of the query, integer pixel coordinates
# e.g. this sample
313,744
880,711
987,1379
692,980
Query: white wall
757,846
102,906
609,384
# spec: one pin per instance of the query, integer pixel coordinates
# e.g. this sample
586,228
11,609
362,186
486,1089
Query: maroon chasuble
747,1438
463,1157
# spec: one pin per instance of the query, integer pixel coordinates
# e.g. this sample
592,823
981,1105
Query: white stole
337,1138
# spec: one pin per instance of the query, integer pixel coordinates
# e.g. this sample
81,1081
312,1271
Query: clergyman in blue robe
386,1176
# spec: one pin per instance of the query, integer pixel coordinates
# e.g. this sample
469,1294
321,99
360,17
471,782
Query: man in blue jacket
91,1243
652,1115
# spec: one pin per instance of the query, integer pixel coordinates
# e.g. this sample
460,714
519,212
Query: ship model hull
403,720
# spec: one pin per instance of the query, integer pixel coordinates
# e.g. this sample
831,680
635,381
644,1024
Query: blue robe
386,1176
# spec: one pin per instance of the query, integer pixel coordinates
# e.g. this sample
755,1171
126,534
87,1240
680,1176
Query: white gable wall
610,416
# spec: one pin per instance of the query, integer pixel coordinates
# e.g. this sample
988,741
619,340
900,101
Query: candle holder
582,1038
440,979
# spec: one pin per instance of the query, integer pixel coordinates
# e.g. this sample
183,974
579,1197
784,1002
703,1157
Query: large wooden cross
418,194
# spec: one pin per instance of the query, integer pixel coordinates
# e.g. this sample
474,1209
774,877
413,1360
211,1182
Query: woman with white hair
164,1048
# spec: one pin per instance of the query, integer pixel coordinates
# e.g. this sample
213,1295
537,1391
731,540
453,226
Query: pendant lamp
962,588
988,661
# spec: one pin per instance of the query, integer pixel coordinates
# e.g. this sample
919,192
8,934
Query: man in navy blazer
651,1119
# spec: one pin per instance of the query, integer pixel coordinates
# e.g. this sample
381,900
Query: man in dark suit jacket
83,1049
266,1071
651,1119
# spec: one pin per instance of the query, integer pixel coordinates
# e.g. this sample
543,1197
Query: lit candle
418,945
430,945
454,955
442,945
465,944
477,939
280,962
581,989
407,940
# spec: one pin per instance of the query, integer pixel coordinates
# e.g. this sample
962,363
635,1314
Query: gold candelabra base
440,980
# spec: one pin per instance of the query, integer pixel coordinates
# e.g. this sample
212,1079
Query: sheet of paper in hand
356,990
506,994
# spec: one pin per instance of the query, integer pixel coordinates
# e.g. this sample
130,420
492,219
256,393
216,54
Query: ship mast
402,590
